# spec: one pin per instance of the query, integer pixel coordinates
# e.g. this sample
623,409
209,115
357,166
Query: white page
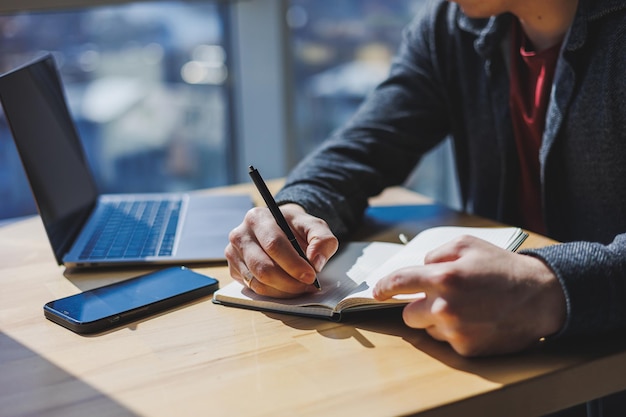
354,272
414,252
342,276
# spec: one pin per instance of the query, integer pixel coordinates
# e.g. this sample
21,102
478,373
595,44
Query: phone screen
106,306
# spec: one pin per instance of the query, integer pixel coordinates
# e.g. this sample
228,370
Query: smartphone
117,304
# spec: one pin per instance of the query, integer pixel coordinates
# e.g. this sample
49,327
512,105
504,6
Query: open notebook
349,277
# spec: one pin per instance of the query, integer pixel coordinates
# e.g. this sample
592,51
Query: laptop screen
50,149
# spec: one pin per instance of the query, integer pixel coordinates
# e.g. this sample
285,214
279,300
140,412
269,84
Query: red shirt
531,82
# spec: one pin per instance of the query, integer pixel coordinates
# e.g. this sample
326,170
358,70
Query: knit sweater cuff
591,276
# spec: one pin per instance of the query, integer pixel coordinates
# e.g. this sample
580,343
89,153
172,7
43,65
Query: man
532,93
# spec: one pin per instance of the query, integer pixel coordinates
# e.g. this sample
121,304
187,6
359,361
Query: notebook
86,228
349,277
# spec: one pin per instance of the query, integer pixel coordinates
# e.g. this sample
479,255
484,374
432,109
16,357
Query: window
341,50
147,86
161,90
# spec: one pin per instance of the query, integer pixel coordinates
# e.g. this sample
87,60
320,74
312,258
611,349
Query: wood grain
205,359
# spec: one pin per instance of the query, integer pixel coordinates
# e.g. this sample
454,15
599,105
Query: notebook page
374,254
414,252
358,257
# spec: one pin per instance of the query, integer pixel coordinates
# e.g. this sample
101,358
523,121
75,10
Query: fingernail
306,278
375,291
318,262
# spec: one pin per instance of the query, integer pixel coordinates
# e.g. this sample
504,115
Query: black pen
278,215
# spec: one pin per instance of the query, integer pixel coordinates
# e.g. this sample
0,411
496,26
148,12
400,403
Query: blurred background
182,95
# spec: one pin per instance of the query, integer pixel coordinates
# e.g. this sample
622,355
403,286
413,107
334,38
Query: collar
489,32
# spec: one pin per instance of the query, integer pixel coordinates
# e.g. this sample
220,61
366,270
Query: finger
315,238
280,250
236,267
245,256
260,226
318,241
280,286
271,274
417,314
421,314
409,280
234,262
247,277
436,334
454,249
262,289
320,249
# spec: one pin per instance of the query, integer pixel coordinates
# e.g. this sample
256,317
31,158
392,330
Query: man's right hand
261,257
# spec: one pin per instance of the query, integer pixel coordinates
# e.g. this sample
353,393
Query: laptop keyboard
134,229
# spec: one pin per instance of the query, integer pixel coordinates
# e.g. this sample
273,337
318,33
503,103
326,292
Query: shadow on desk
88,278
497,369
22,374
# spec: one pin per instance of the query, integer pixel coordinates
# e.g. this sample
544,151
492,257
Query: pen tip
251,168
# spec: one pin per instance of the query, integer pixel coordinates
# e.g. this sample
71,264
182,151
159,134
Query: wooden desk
205,359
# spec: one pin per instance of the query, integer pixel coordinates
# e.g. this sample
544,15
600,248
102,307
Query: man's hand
261,257
481,299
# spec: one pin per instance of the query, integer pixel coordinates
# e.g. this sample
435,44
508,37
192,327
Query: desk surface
205,359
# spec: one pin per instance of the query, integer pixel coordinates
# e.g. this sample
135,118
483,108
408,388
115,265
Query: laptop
89,229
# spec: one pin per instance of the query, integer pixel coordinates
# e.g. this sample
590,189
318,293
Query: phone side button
114,319
133,312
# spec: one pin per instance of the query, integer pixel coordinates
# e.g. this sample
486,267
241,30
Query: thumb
321,243
320,249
